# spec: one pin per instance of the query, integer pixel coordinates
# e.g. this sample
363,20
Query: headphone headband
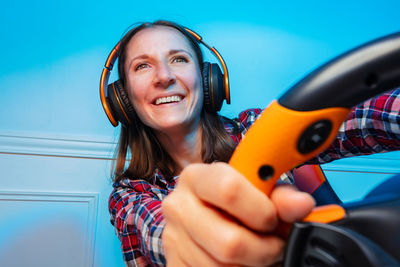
112,57
108,66
220,59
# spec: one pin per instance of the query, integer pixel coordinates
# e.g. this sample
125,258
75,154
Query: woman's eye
141,66
179,59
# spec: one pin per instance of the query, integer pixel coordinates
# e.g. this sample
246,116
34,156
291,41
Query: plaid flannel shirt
135,205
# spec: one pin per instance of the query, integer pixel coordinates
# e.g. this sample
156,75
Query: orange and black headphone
118,107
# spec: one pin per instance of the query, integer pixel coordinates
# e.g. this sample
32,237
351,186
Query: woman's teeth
169,99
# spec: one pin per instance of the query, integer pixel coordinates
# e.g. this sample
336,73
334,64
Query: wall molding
103,148
56,145
89,199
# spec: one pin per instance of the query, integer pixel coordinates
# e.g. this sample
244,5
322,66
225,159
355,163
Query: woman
214,216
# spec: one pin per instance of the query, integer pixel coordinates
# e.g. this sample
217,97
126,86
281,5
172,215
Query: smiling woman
165,81
170,132
160,67
171,126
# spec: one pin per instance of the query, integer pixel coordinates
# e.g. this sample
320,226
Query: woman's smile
168,100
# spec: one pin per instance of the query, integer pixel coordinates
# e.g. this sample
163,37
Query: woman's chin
175,124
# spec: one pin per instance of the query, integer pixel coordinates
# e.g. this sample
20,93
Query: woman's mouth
168,99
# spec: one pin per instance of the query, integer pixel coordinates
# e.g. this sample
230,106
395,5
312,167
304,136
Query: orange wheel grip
272,141
326,214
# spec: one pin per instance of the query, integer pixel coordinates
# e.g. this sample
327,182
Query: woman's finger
171,254
223,239
186,249
224,187
291,204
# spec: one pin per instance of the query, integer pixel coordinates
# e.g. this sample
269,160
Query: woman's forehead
158,37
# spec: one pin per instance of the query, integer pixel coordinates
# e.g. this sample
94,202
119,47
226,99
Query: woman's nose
164,77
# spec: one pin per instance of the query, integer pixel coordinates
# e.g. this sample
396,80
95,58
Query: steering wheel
300,125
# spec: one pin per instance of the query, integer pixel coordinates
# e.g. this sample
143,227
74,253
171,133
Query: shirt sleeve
247,118
372,127
137,217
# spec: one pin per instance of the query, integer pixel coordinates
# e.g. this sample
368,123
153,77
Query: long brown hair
139,141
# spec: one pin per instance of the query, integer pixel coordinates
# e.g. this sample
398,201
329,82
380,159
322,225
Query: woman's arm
137,217
372,127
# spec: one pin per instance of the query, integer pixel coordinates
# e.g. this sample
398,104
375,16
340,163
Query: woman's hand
215,217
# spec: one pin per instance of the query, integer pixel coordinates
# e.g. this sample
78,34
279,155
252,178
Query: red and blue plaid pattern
135,205
372,127
135,208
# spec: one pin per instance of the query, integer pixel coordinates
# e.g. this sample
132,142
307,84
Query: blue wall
53,53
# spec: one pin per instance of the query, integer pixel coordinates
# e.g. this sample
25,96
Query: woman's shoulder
129,190
246,118
249,115
134,196
157,185
138,185
237,127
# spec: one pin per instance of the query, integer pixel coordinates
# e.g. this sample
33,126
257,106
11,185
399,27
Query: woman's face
163,79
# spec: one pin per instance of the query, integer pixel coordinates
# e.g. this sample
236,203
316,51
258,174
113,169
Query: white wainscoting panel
54,193
47,229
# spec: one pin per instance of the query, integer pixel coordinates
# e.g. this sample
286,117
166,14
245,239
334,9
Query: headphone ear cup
213,87
120,104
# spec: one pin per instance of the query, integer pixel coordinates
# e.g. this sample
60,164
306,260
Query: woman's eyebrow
143,56
176,51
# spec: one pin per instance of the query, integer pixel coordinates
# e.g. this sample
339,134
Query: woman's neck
183,146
